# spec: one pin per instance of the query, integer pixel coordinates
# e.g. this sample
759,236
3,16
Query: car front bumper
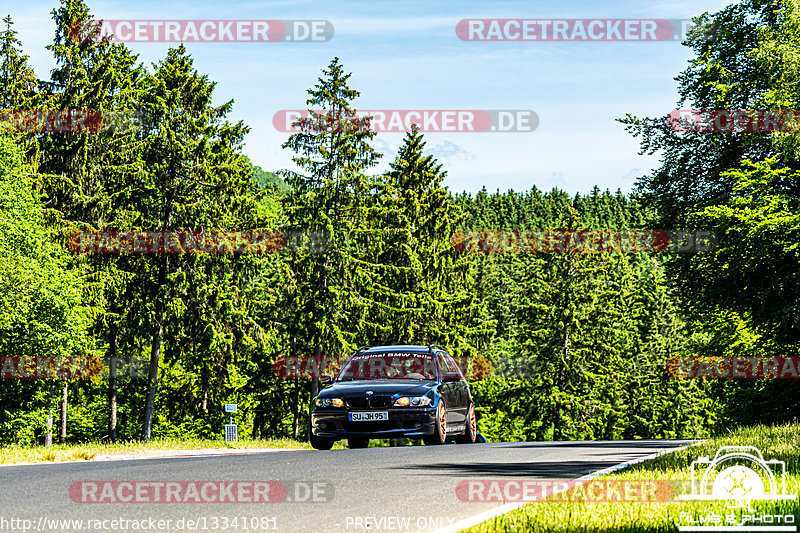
412,422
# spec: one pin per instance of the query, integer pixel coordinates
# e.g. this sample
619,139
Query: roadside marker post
230,429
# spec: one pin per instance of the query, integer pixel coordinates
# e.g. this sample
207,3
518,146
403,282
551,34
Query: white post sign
230,429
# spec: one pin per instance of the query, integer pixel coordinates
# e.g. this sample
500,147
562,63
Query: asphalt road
410,488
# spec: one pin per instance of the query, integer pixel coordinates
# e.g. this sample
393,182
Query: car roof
414,348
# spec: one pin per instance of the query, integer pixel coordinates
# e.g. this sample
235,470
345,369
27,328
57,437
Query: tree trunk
63,430
204,398
558,432
315,379
112,385
155,352
314,390
296,406
48,436
158,332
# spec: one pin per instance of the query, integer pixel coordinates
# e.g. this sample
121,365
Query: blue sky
406,55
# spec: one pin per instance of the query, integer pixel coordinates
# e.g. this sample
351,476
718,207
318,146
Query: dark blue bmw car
382,392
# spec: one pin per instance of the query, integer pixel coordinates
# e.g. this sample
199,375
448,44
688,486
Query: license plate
369,417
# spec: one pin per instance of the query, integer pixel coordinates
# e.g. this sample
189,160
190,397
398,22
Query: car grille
380,401
357,403
376,402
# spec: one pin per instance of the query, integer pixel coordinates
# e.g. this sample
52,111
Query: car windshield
389,365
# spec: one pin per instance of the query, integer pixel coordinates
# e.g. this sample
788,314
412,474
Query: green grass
779,442
88,451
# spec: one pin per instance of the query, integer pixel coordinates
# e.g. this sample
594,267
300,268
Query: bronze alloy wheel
471,429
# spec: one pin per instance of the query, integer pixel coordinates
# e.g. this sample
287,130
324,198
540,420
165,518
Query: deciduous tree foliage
43,313
741,299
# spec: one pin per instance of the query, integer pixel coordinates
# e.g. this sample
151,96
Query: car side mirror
450,377
326,379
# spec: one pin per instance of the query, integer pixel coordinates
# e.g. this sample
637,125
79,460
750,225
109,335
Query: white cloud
447,152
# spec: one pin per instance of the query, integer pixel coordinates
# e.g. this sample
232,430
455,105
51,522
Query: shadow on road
544,469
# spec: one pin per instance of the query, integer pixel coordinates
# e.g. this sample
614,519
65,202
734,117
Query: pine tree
19,88
421,293
328,203
195,178
18,84
569,332
87,176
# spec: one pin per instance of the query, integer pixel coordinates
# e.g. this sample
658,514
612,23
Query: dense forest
559,346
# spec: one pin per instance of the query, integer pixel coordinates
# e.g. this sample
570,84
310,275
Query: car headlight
330,402
414,401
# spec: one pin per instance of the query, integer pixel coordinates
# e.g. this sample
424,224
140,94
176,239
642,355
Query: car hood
384,387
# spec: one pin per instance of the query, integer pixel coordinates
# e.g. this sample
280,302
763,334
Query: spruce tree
327,204
422,289
19,88
194,178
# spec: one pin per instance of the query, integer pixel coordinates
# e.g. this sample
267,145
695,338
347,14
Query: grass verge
88,451
778,442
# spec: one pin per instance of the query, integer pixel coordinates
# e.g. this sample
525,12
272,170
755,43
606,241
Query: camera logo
738,474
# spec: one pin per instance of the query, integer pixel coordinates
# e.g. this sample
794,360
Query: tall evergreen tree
88,175
421,291
573,331
195,178
328,203
19,88
18,84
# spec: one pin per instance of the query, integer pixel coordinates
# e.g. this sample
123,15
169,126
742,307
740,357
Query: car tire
471,429
318,443
358,443
440,431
